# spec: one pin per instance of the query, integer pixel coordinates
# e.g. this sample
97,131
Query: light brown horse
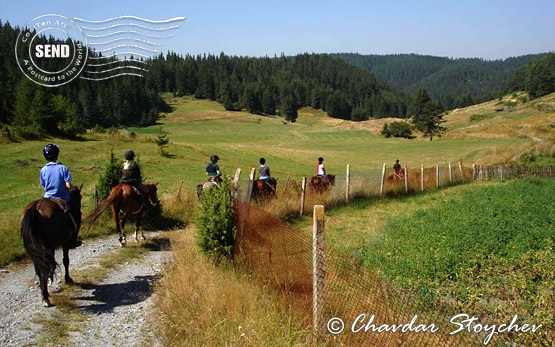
44,227
126,203
397,177
264,190
319,184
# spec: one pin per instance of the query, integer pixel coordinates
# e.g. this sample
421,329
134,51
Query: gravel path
116,311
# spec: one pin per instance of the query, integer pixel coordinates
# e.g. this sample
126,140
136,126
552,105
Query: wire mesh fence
359,306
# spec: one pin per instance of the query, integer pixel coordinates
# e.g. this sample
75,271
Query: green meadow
199,128
483,247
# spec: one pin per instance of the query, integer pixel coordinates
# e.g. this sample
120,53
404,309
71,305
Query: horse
210,184
264,189
397,177
126,203
319,184
44,226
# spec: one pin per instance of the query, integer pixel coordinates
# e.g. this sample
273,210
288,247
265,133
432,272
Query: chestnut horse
397,177
126,203
319,184
264,189
44,227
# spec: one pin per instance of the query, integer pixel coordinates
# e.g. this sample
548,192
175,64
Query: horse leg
122,236
43,285
67,278
119,228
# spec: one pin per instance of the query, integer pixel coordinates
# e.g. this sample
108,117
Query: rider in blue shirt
56,181
55,177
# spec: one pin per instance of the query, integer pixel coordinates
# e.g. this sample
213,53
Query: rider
397,168
264,170
320,169
55,178
130,173
213,170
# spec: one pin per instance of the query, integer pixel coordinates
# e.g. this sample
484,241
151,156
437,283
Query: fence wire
370,307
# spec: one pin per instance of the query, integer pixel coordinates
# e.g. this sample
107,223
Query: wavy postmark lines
121,45
51,50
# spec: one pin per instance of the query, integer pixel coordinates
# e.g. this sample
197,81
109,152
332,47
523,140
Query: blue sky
484,29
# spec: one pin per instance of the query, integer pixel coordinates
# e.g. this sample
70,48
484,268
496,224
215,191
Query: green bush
397,129
479,117
215,223
110,177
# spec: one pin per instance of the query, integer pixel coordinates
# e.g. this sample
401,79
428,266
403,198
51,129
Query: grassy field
199,128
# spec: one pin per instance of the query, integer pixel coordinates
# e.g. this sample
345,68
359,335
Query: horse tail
35,242
92,217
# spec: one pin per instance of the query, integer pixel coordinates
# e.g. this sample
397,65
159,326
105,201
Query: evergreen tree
110,177
288,108
427,115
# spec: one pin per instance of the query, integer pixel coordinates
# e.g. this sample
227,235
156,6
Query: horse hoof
46,303
69,280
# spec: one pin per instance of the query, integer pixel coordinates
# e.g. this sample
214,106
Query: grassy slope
199,128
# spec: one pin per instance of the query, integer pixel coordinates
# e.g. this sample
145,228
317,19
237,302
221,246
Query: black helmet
51,152
214,158
129,155
262,161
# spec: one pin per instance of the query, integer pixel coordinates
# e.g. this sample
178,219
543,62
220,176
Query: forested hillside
279,85
33,110
343,85
453,82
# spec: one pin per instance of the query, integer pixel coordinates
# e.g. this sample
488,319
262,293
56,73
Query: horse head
75,203
152,192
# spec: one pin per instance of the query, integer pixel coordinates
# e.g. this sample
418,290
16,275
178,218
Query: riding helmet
51,152
129,155
214,158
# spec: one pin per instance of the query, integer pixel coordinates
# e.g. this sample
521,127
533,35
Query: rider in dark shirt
264,170
130,173
213,170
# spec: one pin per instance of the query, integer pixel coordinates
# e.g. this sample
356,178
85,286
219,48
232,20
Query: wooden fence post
422,177
437,176
383,180
235,183
347,182
303,192
250,186
179,191
450,175
406,180
318,267
461,171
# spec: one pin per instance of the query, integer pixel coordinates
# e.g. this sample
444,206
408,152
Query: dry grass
201,304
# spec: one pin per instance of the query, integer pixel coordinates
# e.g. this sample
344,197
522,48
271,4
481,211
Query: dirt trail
114,312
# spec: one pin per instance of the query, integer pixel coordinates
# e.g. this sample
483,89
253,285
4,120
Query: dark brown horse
319,184
44,226
264,190
126,203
